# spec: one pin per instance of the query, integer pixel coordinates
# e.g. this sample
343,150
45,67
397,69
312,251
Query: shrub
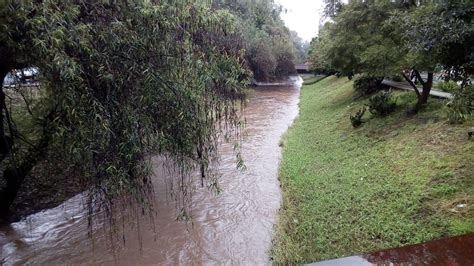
366,85
461,107
382,104
397,78
449,86
356,119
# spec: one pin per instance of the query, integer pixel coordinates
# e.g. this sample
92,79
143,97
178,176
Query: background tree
385,38
444,33
359,40
331,8
318,51
270,49
302,47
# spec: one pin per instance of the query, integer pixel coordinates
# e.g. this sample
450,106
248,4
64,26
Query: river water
234,227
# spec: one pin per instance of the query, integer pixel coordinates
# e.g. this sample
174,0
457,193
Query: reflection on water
449,251
234,227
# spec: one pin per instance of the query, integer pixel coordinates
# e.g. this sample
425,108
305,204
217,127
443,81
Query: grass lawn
395,181
310,80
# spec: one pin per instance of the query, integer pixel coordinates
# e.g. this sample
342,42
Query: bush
461,107
356,119
366,85
382,104
449,86
397,78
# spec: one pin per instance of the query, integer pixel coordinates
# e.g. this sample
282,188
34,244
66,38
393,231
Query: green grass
312,80
395,181
306,76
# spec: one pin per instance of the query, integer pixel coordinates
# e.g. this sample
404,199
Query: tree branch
27,102
14,176
418,94
10,129
418,76
4,142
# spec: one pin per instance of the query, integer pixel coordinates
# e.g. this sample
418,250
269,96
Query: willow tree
121,81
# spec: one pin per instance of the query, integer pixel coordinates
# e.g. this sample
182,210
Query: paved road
406,86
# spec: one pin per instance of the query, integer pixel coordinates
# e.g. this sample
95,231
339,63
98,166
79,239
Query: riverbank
234,227
310,80
395,181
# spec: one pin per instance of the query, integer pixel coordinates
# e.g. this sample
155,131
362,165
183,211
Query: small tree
383,38
440,34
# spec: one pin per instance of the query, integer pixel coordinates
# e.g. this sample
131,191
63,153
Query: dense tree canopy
270,50
120,81
301,46
441,34
385,38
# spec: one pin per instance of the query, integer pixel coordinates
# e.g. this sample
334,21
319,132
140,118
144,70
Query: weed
356,119
382,104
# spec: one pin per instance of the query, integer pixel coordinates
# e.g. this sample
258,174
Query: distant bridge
302,68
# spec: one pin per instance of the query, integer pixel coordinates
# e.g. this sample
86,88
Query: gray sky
302,16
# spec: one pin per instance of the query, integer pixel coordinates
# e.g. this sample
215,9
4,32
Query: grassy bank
395,181
310,80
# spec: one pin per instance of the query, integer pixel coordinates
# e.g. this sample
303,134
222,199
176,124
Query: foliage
320,64
366,84
261,59
356,119
386,38
396,78
360,40
302,47
441,33
449,86
120,83
332,7
461,107
391,183
382,103
284,52
271,49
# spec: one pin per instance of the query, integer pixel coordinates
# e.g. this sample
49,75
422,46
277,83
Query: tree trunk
15,174
408,79
4,143
14,178
7,193
425,93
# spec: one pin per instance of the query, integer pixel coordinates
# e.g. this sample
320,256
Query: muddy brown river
234,227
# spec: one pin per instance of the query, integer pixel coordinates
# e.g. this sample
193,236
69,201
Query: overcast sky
302,16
